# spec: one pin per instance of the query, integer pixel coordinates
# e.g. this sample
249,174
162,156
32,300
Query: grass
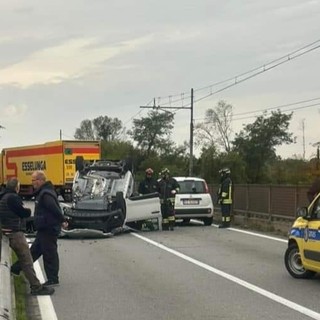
20,295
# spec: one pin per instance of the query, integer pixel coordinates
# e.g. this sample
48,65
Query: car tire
293,263
186,220
208,221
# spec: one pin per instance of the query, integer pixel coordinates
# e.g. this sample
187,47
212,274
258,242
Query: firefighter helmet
165,171
149,171
224,171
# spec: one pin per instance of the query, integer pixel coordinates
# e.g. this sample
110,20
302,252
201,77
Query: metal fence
270,201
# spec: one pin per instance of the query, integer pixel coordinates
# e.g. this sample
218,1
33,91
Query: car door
311,240
143,207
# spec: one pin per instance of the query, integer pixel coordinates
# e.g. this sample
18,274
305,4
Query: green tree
257,141
153,133
216,129
100,128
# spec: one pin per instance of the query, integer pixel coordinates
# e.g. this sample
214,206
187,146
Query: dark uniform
12,218
225,194
48,218
148,184
167,189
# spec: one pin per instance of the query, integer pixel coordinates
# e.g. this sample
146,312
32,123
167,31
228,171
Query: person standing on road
48,219
12,215
167,188
225,195
149,184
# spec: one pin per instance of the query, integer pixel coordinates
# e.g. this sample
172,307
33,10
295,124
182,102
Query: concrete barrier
6,297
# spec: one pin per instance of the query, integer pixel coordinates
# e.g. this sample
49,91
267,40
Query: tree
153,133
257,141
216,129
100,128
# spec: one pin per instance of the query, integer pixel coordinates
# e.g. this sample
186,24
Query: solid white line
257,234
45,303
305,311
47,311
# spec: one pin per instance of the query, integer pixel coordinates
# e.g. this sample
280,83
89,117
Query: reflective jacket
148,185
225,192
165,188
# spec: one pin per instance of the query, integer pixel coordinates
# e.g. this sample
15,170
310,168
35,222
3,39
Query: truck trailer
56,158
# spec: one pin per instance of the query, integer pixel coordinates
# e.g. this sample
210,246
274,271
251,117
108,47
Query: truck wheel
79,163
293,263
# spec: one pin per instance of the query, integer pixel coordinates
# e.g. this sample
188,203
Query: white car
193,200
103,199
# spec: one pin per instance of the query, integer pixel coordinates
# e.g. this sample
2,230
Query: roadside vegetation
20,295
250,153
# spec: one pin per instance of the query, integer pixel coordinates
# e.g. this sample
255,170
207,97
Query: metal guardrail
6,297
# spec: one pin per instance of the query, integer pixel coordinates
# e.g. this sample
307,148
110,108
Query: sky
62,62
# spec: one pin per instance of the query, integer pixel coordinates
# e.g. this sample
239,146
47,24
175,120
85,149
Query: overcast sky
62,62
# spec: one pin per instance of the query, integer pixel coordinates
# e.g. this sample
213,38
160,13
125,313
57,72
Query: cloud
13,113
70,60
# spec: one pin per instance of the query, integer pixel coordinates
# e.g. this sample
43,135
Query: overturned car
104,199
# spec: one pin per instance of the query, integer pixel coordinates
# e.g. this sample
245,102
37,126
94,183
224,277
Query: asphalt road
195,272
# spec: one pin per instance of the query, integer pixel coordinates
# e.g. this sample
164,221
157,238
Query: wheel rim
295,262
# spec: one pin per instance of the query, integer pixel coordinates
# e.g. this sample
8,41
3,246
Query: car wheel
208,221
293,263
186,220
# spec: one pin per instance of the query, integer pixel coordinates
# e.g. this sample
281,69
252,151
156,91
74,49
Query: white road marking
47,310
292,305
257,234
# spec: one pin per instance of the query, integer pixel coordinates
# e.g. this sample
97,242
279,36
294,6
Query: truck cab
302,257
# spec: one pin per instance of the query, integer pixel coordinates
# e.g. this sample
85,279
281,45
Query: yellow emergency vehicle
56,158
302,257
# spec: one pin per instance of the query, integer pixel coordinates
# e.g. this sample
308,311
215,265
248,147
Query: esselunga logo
33,165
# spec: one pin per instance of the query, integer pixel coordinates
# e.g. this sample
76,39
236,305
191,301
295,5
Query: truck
56,158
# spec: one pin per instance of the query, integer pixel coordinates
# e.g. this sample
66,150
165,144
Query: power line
251,73
272,108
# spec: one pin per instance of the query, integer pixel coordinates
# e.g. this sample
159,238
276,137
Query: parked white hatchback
193,200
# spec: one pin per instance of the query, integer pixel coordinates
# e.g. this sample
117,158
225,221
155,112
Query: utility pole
303,141
191,125
191,136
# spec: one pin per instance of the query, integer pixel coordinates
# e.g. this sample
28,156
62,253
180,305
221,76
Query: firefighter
225,194
149,184
167,189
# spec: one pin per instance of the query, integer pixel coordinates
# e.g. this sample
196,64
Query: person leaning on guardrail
12,213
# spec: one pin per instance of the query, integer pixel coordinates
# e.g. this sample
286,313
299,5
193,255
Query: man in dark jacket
12,215
48,219
149,184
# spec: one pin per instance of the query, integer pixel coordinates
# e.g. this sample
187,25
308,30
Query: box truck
56,158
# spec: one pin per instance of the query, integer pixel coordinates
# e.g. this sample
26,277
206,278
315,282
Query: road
195,272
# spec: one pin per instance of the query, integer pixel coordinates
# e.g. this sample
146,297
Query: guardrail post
5,281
